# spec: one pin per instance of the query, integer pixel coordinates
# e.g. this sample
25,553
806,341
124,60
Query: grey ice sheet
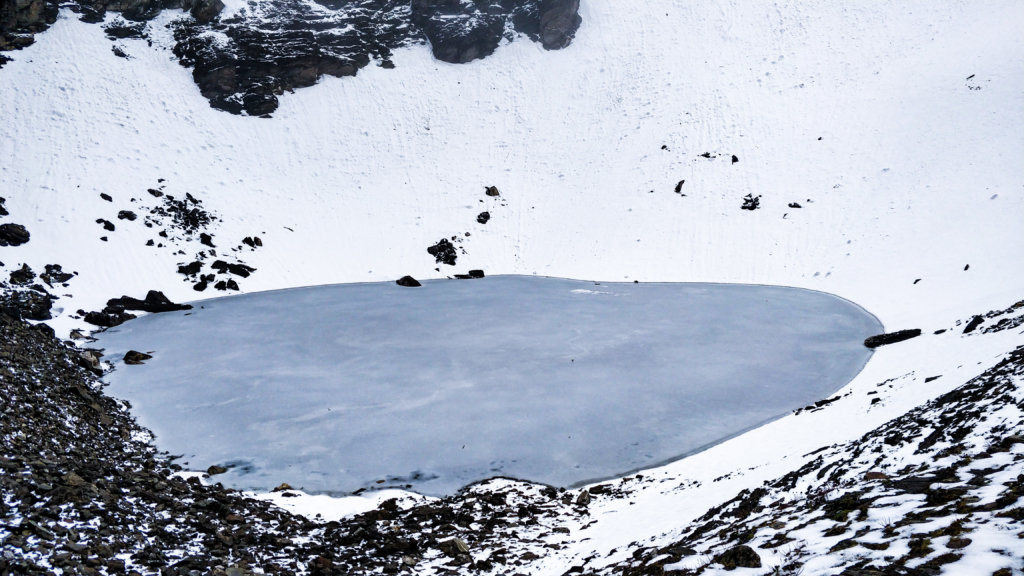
332,388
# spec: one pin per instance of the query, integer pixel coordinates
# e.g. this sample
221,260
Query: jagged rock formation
20,20
244,62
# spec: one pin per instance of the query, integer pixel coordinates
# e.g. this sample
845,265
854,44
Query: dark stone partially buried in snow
408,282
891,338
472,274
483,217
738,557
133,357
974,323
155,302
236,269
55,275
559,21
190,269
23,276
13,235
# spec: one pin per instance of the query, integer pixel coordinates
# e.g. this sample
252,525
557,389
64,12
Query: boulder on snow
23,275
974,323
738,557
13,235
483,217
408,282
891,338
155,302
133,357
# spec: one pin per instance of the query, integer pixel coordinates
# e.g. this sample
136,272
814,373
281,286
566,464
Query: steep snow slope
918,173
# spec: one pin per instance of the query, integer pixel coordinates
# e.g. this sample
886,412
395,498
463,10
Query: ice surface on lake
333,388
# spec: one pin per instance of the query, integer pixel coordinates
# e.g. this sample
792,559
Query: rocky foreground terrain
85,492
244,61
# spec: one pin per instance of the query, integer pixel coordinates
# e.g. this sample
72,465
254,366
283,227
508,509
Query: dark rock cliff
244,62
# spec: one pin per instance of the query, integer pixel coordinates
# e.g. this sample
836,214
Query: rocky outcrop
559,21
257,56
20,20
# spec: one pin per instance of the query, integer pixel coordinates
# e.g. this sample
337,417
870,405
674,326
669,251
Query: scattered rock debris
443,252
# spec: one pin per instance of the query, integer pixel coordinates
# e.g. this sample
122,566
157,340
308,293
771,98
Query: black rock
794,205
891,338
206,240
476,273
133,357
492,191
559,21
735,159
236,269
222,285
155,302
408,282
738,557
119,52
106,197
126,215
483,217
3,211
156,193
200,286
107,224
190,269
751,202
23,275
232,285
443,252
679,186
55,275
974,323
105,320
13,235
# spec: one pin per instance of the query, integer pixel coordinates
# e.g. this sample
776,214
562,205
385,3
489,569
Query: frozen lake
334,388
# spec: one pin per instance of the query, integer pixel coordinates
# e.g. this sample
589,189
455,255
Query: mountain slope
918,175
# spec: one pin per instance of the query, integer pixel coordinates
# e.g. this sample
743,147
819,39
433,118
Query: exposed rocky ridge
907,498
244,62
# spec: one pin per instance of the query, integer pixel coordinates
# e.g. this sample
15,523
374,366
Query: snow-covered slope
898,128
